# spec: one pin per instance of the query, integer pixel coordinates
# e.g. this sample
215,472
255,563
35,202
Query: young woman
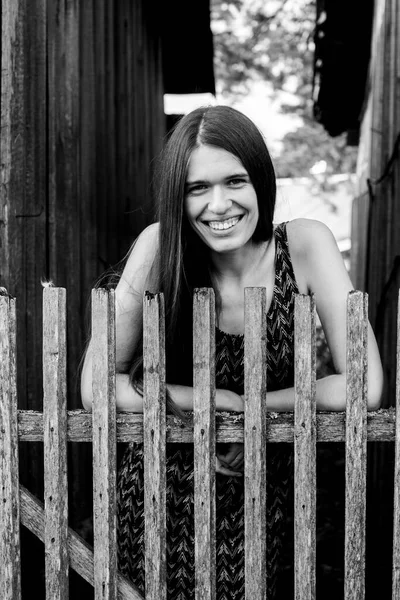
216,196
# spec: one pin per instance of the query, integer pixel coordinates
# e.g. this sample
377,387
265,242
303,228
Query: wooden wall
376,215
376,262
81,119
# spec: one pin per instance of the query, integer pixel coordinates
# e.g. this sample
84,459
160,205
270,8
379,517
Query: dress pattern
229,490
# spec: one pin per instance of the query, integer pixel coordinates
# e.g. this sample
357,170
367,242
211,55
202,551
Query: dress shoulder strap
284,267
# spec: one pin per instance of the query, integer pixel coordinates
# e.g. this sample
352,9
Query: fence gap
104,445
305,448
154,437
396,514
55,443
10,557
204,442
255,413
356,444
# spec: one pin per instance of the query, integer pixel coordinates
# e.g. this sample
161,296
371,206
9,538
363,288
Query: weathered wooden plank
154,412
55,442
396,508
280,427
9,27
104,445
305,504
10,563
204,442
79,552
255,443
356,444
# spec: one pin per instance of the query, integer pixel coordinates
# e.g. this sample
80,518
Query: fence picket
204,442
356,444
55,443
305,448
104,445
255,443
396,513
154,439
10,559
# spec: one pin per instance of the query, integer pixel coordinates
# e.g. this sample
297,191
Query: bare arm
135,279
320,270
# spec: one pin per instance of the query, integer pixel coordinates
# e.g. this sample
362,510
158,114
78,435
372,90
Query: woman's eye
196,189
237,181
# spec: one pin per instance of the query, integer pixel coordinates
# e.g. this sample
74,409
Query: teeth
220,225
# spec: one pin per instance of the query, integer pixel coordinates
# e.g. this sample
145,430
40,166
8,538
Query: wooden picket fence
104,428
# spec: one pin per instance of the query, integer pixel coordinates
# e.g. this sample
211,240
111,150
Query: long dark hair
182,261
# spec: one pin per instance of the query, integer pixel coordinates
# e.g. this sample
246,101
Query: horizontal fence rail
256,428
330,427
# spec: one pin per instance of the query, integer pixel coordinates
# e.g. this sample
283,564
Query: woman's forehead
207,161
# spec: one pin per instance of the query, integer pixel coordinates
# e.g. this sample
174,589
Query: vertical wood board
55,443
154,432
204,442
104,445
356,444
255,442
305,449
10,576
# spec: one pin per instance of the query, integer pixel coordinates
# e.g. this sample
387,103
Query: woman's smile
224,225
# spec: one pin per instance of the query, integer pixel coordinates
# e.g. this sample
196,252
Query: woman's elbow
86,383
375,389
86,395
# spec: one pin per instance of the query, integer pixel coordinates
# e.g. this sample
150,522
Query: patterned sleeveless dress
229,490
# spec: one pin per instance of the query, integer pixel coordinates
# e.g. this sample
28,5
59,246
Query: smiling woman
216,195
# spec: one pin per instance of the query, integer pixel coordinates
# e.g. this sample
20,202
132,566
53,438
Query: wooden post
396,515
10,558
305,423
154,410
55,443
356,444
104,445
255,443
204,442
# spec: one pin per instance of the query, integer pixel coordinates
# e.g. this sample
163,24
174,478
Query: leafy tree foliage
273,41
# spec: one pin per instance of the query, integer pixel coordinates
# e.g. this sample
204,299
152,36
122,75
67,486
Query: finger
219,468
237,460
228,472
223,461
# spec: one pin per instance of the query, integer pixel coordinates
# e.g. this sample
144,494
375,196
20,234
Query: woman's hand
231,462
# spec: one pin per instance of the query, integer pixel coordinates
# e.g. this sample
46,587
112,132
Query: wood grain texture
104,445
10,560
229,428
255,443
9,25
55,442
396,505
356,444
204,442
305,448
79,552
154,412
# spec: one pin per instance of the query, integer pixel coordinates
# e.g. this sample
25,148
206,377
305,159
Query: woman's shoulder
308,235
312,249
145,247
140,258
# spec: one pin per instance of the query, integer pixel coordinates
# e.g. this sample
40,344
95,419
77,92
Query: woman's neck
239,264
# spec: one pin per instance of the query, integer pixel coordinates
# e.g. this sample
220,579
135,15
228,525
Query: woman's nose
219,201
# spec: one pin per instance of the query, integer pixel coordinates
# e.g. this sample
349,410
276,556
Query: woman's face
220,200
